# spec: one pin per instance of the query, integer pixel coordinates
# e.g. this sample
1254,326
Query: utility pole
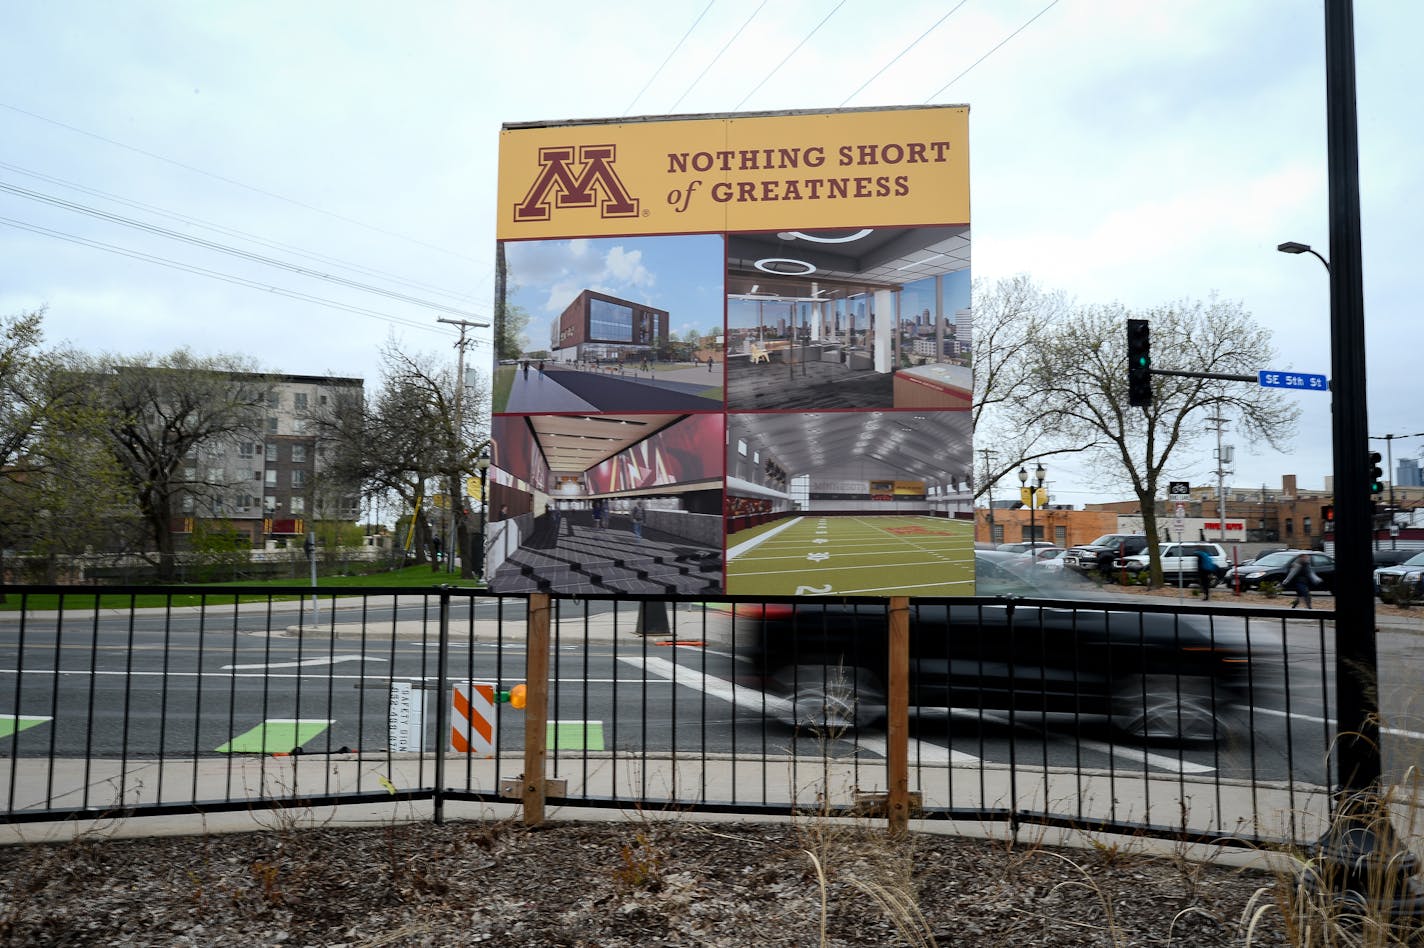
989,488
1223,458
454,495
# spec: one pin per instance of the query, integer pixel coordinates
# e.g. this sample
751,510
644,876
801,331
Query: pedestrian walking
1300,579
709,363
541,366
526,368
1206,571
638,515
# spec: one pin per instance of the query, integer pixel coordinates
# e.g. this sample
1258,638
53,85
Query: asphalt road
180,687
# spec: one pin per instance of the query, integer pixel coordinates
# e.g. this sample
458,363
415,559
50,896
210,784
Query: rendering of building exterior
597,326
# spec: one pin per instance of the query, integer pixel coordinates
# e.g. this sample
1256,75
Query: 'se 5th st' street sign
1311,383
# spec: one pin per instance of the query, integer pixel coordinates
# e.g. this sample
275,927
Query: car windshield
1282,558
1111,539
1416,560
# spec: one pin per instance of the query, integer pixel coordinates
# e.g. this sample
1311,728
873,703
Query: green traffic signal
1376,475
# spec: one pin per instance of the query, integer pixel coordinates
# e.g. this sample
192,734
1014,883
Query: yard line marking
746,545
1393,731
754,699
307,662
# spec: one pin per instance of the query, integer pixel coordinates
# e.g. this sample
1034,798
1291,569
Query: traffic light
1376,475
1327,516
1139,363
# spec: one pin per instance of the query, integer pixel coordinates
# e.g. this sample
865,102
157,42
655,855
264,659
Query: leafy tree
1077,374
162,412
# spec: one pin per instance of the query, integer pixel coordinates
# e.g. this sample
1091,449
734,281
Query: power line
788,56
735,37
233,232
216,275
940,91
670,55
223,248
234,182
902,52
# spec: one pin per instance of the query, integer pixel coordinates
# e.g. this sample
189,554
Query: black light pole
1039,476
1361,847
483,463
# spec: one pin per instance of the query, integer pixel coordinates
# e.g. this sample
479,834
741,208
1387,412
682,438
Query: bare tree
1077,372
1011,317
165,412
405,437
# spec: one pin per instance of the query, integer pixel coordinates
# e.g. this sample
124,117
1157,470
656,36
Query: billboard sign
759,342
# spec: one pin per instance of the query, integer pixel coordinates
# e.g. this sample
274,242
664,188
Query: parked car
1385,558
1273,567
1038,554
1408,575
1025,546
1153,676
1098,556
1180,564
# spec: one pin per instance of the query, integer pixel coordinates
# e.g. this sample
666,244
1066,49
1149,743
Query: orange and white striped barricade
472,718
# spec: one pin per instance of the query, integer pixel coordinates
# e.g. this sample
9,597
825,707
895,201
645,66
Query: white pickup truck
1180,564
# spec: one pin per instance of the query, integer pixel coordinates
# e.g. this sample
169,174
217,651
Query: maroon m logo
557,178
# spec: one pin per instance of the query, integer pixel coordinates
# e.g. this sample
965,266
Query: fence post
897,717
536,708
442,706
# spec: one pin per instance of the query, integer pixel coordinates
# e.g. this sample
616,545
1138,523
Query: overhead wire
670,55
224,248
234,232
725,47
788,56
941,89
234,182
897,56
217,275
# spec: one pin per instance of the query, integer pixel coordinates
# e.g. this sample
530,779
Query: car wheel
832,697
1166,709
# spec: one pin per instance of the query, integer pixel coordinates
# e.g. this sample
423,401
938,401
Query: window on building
299,453
257,475
996,533
1290,528
269,504
190,474
299,401
271,479
271,425
245,449
1305,526
299,425
271,452
216,475
274,400
299,478
187,504
610,322
321,400
298,505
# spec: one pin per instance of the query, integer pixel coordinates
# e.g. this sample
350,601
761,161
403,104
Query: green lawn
411,577
853,556
503,384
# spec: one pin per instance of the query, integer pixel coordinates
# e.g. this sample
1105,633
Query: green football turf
853,556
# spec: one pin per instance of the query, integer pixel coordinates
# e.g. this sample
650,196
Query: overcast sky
1141,152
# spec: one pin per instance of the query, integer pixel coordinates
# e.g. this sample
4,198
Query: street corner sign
902,167
1296,380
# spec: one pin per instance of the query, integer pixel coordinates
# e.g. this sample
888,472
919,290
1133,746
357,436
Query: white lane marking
307,662
1394,731
754,699
741,548
1160,761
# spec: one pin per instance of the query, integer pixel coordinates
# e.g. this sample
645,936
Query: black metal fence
1139,716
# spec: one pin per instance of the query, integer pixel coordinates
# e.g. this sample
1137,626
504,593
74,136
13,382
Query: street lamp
1039,475
482,463
1291,246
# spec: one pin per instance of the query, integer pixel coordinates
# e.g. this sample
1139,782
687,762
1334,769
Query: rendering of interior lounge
855,318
